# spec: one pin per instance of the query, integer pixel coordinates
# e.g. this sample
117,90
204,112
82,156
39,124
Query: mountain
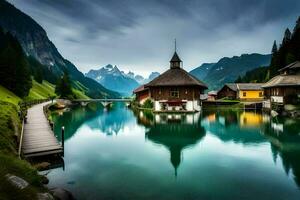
227,70
114,79
140,79
36,44
285,54
202,71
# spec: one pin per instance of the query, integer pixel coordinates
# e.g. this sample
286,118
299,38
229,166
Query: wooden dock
38,138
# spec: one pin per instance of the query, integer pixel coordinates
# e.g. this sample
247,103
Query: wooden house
174,90
284,88
242,91
141,94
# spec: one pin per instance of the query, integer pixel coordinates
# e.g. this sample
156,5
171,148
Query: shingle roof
231,86
176,77
140,89
283,80
175,58
244,86
294,65
249,86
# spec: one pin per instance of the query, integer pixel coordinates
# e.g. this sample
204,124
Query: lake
217,154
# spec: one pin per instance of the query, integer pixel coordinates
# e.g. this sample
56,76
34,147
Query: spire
175,61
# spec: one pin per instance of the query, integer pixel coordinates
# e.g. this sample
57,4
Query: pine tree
274,48
287,36
297,27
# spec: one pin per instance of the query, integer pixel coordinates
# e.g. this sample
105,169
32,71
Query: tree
297,27
287,36
274,48
14,70
238,80
63,87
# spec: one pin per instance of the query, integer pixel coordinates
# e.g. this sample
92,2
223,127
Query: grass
41,90
9,127
79,94
9,163
8,96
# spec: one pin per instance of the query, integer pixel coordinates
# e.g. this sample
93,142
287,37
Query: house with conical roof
175,90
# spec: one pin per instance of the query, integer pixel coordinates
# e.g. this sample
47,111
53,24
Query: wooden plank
38,136
42,149
43,153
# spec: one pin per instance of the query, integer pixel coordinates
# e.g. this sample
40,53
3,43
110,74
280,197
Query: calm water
120,154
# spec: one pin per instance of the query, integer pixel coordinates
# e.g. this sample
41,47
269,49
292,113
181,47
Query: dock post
63,138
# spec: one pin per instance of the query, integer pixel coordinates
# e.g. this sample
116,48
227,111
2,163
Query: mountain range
227,70
114,79
36,44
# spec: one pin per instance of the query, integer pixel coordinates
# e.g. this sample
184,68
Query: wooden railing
21,139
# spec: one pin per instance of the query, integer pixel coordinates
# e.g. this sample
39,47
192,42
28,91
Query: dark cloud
138,34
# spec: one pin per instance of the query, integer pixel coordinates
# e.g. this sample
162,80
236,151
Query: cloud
138,35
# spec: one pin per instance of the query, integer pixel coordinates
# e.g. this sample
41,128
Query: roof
294,65
283,80
176,77
249,86
212,93
140,89
232,86
244,86
175,58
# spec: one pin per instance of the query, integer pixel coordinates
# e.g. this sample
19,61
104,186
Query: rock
274,113
17,181
62,194
44,180
42,166
289,107
44,196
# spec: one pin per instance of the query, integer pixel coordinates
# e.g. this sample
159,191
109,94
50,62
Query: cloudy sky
139,35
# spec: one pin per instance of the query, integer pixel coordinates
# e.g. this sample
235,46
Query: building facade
242,91
174,90
284,88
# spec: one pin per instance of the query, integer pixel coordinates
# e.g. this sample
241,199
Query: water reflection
236,126
233,144
174,131
73,118
284,136
112,120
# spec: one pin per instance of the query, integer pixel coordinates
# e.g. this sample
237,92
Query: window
244,94
260,94
174,93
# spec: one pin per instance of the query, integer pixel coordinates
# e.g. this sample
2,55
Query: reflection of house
284,88
174,90
226,125
174,131
178,134
251,119
241,91
284,137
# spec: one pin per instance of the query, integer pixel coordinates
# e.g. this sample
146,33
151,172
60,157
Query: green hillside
41,91
8,96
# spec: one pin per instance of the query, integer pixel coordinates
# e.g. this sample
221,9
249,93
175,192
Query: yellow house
250,91
242,91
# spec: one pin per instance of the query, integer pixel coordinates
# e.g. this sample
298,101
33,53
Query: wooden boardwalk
38,138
